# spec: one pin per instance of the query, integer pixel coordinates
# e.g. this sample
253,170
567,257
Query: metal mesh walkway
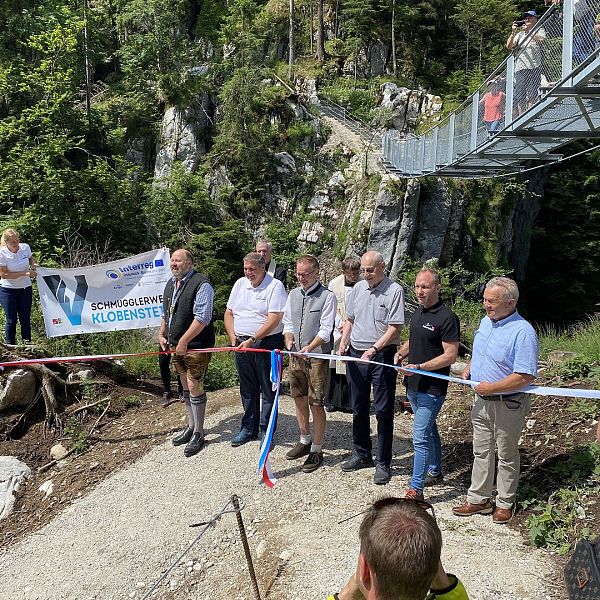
545,95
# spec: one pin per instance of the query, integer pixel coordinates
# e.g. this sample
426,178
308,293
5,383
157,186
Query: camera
520,23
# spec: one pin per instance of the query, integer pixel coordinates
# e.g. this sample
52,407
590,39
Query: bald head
182,262
372,268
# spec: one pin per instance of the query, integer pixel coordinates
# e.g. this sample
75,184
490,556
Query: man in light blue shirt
505,353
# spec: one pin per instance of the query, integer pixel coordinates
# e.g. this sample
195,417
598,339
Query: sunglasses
390,501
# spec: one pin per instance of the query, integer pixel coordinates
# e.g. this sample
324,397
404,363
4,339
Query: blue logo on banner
159,262
73,309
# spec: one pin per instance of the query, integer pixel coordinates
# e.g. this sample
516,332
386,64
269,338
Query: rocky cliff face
351,209
184,136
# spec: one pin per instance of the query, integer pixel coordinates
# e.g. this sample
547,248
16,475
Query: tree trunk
320,32
291,39
393,39
467,52
87,66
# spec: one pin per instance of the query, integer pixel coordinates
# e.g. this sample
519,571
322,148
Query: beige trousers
497,424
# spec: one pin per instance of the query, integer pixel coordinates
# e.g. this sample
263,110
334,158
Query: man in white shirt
253,320
308,321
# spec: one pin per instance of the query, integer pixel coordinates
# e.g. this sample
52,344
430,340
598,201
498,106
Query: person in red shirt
493,102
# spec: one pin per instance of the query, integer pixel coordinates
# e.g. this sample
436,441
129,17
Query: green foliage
577,368
246,134
221,369
358,96
585,408
74,430
561,519
486,216
132,401
582,338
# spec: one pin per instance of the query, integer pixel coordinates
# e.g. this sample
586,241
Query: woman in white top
16,269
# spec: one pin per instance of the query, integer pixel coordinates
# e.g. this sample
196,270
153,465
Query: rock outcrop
183,137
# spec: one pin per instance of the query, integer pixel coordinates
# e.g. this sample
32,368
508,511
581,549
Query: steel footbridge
545,95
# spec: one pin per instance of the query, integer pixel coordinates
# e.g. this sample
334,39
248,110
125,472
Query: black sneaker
298,451
183,437
431,479
194,445
355,462
313,462
382,475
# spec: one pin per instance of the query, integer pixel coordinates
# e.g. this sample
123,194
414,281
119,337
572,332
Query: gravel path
117,541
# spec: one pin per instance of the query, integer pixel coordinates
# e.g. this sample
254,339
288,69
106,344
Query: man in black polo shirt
432,346
187,324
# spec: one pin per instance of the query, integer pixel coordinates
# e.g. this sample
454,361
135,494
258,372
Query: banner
122,294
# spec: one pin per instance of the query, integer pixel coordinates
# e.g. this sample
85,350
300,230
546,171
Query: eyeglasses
368,270
390,501
301,275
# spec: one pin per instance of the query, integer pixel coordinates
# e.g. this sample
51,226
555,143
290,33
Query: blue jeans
16,302
426,439
254,371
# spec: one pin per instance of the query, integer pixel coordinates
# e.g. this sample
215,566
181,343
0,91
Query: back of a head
402,544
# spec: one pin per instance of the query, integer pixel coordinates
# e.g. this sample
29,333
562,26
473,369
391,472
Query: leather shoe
194,445
298,451
313,462
355,462
382,475
467,509
183,437
502,515
242,438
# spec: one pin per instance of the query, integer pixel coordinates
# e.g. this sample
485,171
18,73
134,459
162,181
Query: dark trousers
16,303
254,371
338,394
383,379
164,365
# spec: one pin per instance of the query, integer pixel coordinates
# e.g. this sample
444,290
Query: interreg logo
113,274
72,308
138,268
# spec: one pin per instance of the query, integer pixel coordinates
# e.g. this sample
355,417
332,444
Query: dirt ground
135,421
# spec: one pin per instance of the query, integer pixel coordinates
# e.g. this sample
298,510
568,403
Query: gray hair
256,258
266,243
508,286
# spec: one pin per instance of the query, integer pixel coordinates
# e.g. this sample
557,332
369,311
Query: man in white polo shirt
253,320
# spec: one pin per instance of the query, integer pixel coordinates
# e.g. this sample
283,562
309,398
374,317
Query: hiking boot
355,462
298,451
194,445
313,462
467,509
431,479
183,437
502,515
416,495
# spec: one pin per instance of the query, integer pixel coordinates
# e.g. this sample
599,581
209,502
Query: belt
243,338
499,397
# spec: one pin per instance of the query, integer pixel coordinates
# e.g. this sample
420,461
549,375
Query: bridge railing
343,115
564,40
